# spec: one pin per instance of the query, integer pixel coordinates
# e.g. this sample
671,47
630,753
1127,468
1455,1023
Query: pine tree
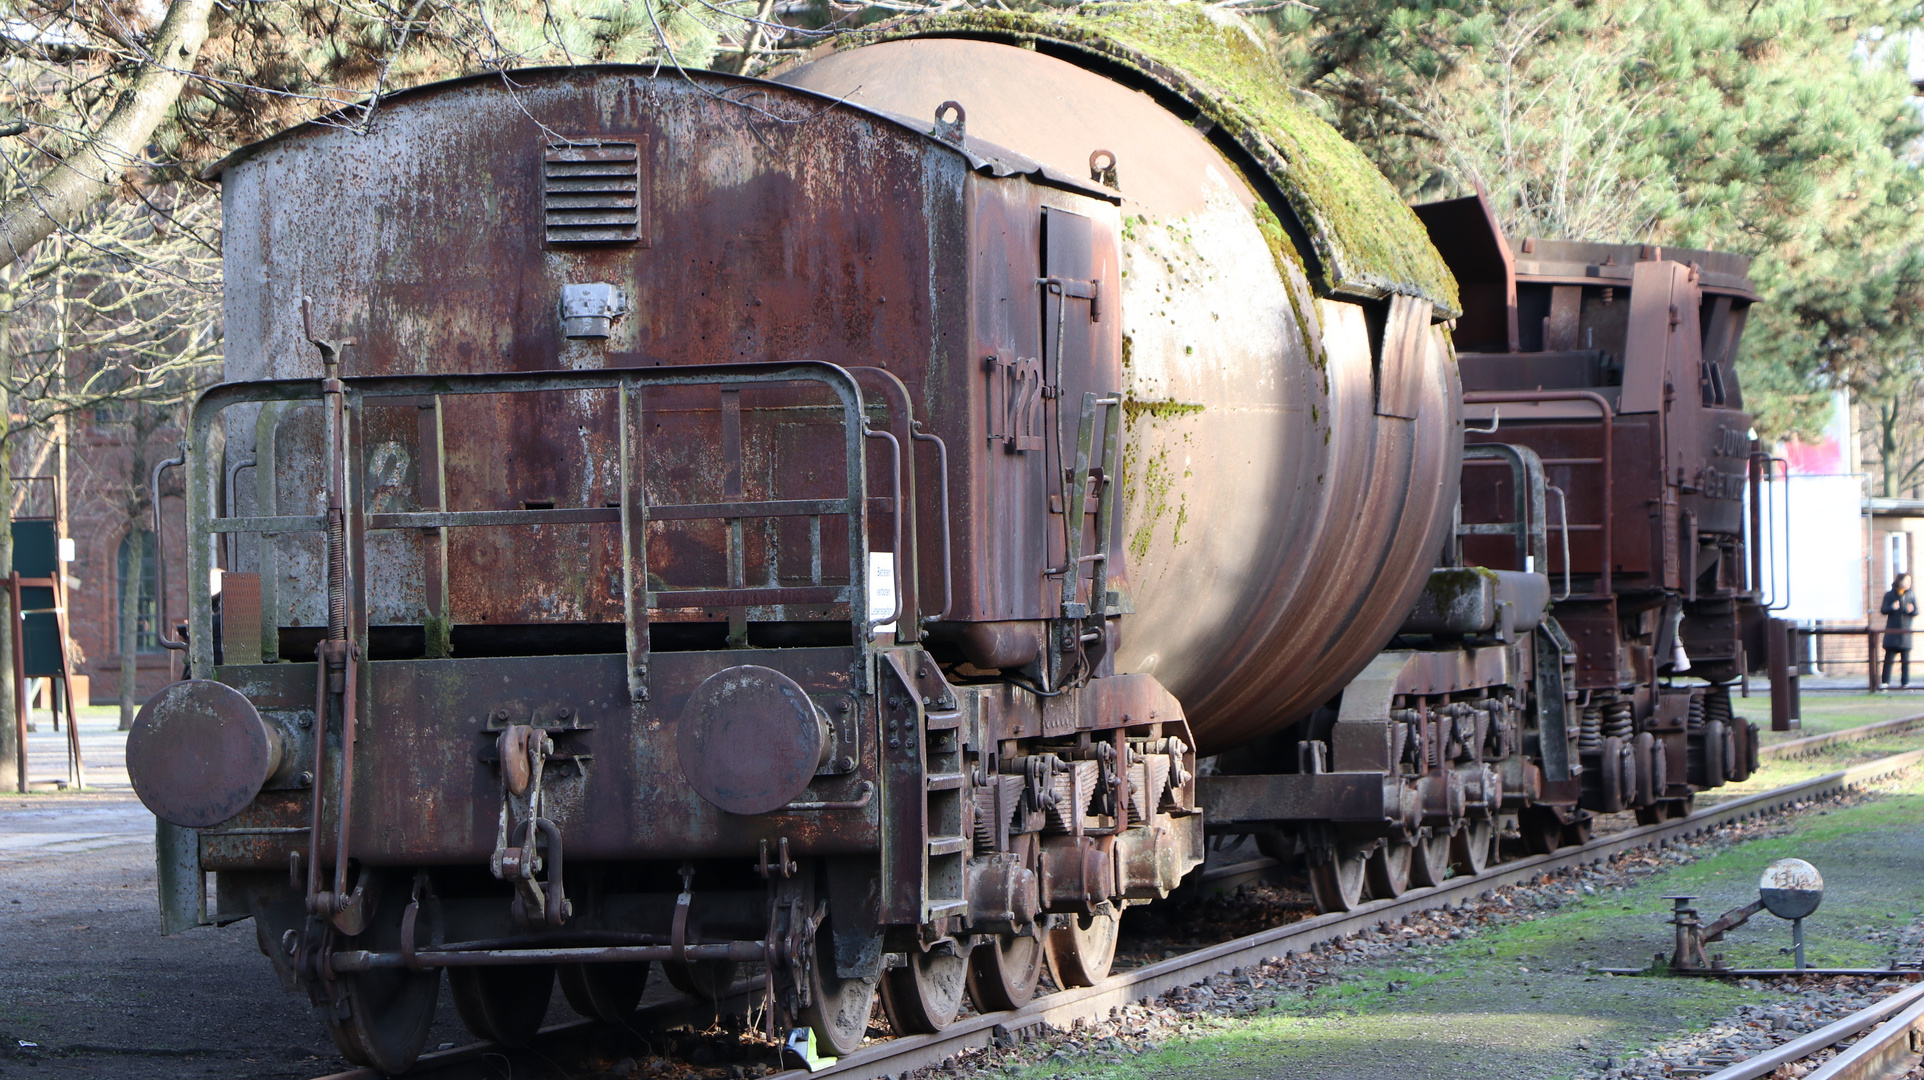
1779,128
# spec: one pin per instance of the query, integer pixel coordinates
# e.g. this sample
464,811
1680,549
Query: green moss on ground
1368,241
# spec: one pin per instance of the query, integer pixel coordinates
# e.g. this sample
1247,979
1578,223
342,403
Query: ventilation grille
591,192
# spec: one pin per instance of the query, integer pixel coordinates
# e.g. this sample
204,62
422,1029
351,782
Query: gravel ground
1798,1008
89,988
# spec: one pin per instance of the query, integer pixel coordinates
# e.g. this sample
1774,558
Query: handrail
233,501
203,497
1774,605
895,478
160,560
948,547
1531,527
894,394
1606,418
1563,527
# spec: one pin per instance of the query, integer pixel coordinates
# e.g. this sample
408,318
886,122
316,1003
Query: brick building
101,463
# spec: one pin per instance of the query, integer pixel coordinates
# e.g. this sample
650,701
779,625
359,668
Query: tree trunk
1887,445
130,626
11,751
67,190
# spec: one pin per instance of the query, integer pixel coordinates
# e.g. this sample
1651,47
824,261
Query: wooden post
1875,637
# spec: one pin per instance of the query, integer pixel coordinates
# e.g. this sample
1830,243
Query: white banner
1814,547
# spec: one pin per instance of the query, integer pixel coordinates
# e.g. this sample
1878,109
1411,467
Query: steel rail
594,1036
1875,1055
1064,1008
1811,744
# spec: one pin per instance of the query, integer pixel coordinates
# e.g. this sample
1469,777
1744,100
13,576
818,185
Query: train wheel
924,995
1430,858
1338,882
381,1018
1470,847
605,992
1653,814
1542,829
1081,950
388,1016
1003,972
1612,778
1389,869
838,1009
704,979
1578,832
505,1004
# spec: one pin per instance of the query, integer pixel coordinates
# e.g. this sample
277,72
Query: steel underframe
1064,1009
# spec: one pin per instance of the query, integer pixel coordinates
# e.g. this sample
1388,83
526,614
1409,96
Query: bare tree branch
71,187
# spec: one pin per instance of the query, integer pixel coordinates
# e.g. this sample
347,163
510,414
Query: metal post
65,682
1797,941
1779,665
19,681
1794,682
1875,637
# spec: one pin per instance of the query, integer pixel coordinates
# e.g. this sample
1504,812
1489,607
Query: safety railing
1528,522
1769,517
1603,461
632,515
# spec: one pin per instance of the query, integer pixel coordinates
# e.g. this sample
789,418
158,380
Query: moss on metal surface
438,639
1368,242
1446,584
1136,408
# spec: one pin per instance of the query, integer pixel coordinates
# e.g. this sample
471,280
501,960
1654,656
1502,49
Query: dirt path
86,976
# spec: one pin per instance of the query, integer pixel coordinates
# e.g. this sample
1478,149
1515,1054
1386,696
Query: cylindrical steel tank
1293,441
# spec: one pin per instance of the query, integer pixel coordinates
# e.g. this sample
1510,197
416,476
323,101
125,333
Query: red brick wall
99,482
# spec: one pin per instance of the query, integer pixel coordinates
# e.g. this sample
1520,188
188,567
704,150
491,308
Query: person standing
1900,607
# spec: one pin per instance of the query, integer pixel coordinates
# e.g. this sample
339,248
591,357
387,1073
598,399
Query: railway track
585,1040
1887,1052
1804,747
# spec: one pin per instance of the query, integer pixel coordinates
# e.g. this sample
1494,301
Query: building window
1898,556
146,628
